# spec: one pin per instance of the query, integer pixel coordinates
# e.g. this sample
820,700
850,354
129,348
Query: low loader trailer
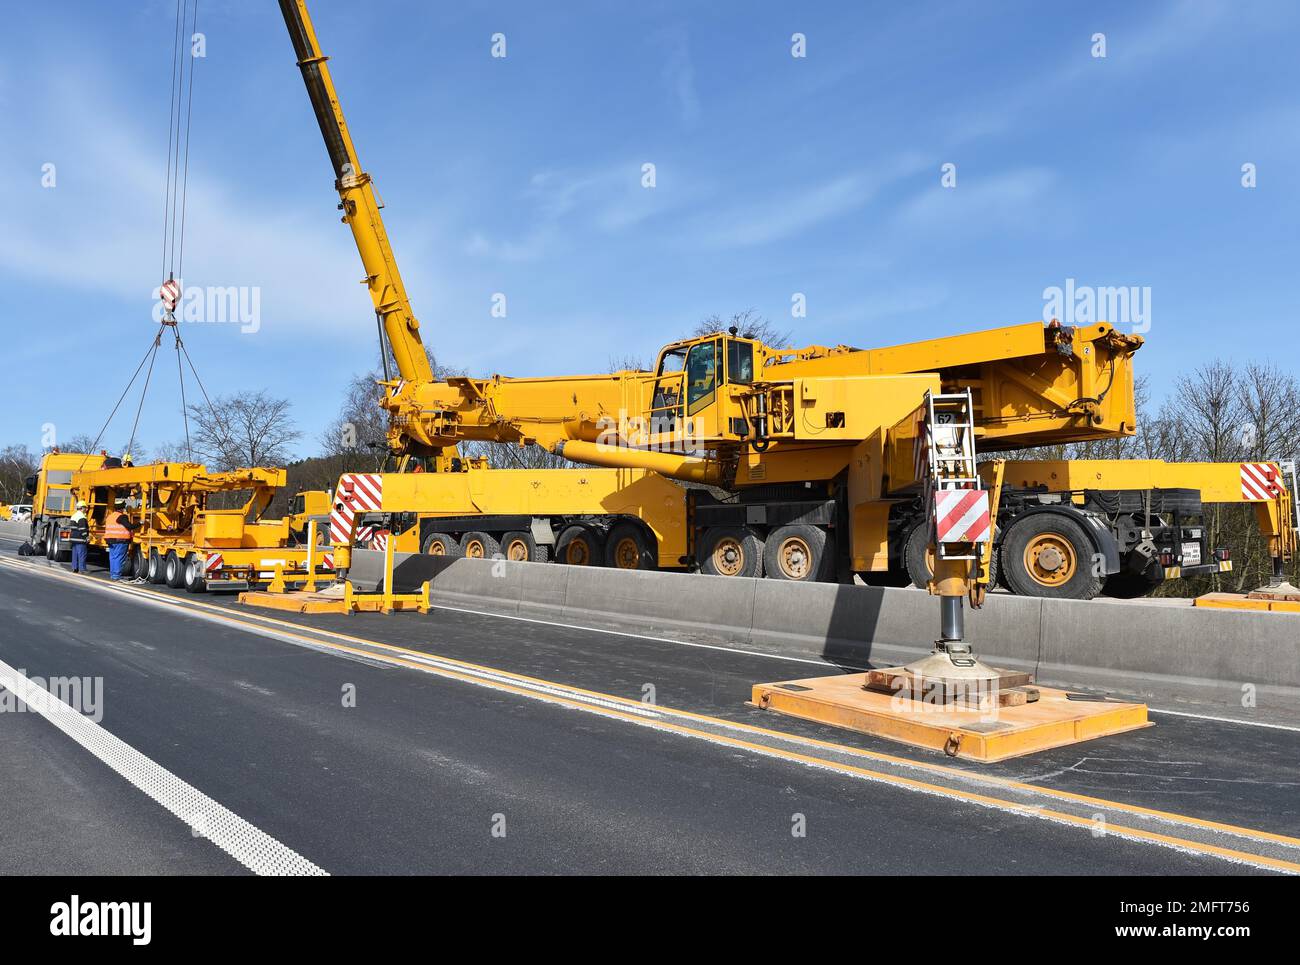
184,536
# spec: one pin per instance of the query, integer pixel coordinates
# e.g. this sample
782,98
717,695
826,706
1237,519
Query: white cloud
976,204
773,219
100,229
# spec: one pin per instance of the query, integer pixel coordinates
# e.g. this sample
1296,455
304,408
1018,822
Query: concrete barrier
1174,651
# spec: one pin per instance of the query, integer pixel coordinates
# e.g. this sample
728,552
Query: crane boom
361,210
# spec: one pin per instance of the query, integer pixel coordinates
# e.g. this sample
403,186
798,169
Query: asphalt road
465,743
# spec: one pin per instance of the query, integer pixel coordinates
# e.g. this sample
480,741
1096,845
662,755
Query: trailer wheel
155,570
61,552
580,546
51,542
133,567
801,553
630,547
1049,555
442,544
480,546
522,548
918,560
731,551
173,570
194,581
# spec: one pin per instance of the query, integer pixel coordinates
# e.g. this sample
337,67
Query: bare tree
358,436
750,324
16,464
253,429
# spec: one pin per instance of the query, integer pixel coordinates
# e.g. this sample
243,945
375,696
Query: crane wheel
731,551
580,546
442,544
174,570
479,546
630,547
522,548
194,581
1049,555
799,553
918,559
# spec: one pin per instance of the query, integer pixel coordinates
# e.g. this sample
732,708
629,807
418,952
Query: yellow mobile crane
816,451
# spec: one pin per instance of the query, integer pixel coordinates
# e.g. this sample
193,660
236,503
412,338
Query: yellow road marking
401,658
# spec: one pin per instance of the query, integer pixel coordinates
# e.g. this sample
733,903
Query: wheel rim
729,556
795,558
437,548
627,554
517,550
474,549
1050,559
576,554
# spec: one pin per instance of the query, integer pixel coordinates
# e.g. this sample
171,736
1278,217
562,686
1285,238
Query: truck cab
50,489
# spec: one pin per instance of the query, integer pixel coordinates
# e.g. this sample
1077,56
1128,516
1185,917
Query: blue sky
774,175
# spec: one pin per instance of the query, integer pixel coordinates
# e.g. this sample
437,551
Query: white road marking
643,636
247,844
1225,720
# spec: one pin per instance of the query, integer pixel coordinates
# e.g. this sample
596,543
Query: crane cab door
703,377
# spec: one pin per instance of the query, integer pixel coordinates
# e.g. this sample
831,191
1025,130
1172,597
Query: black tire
442,544
1127,585
134,566
1066,574
174,570
194,581
522,548
155,570
731,551
51,542
476,545
799,553
916,559
580,546
916,556
629,546
62,552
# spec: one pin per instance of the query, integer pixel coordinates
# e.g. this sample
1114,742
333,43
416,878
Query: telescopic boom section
357,201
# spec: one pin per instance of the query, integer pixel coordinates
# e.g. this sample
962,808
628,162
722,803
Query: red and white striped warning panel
170,293
962,516
212,563
1260,481
358,492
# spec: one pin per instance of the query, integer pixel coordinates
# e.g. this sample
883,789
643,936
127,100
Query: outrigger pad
1029,719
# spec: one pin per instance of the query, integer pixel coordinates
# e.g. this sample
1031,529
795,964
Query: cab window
740,362
701,375
667,400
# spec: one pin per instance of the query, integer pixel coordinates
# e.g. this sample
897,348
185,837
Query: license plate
1191,554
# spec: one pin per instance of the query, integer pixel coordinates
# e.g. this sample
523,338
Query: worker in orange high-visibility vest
118,533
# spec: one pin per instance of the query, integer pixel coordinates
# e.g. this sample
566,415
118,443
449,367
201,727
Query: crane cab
693,397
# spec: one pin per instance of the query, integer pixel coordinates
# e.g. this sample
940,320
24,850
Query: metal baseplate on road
348,601
1014,721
